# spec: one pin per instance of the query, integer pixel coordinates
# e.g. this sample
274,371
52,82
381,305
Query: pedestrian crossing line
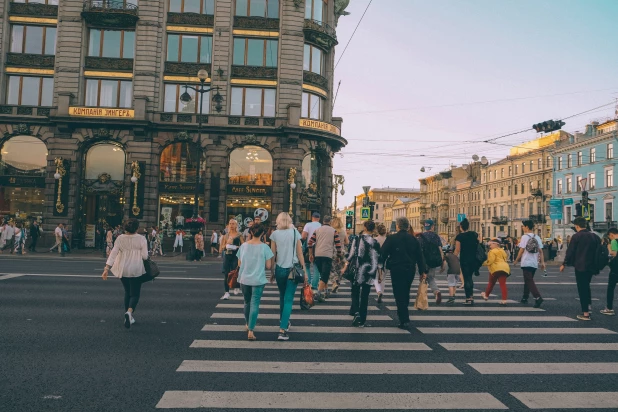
492,318
579,368
311,329
317,307
478,309
297,316
330,346
568,400
329,400
529,346
331,368
276,298
516,331
461,300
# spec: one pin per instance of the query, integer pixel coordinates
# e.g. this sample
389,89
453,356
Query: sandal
484,296
251,337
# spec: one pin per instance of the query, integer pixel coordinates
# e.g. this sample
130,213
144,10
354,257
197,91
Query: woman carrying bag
230,244
254,257
126,261
288,256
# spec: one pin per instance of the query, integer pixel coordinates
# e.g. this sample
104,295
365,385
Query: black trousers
360,300
325,265
468,275
611,286
583,289
132,289
401,279
33,242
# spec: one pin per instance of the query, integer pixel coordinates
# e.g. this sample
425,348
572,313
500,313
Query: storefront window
105,158
249,191
179,163
22,178
175,208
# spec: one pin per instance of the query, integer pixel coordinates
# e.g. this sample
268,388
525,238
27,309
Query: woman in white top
127,263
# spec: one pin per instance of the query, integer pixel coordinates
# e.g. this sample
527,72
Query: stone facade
144,129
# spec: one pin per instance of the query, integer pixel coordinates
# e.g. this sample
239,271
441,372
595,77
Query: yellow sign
101,112
326,127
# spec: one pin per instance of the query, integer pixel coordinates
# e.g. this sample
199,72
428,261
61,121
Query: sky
423,82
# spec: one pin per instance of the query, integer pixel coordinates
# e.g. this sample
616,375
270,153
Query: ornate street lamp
338,180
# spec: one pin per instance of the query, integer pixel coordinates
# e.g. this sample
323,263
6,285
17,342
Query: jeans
611,286
230,262
468,273
583,289
324,264
431,279
499,276
401,279
132,289
314,275
529,285
252,295
287,289
360,300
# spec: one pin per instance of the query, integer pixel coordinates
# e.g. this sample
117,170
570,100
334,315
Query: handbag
152,269
352,268
232,279
306,298
297,272
421,302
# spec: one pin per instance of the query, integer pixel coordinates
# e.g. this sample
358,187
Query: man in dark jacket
35,232
581,255
402,254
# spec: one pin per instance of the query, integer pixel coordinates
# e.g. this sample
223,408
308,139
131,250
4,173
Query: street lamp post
185,98
338,180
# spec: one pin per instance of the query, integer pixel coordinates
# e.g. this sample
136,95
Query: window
610,151
253,102
489,194
548,162
311,106
173,104
560,163
592,181
593,155
609,177
516,169
495,174
580,158
578,181
523,168
515,189
559,186
109,93
531,165
569,161
33,39
510,170
609,206
111,43
495,193
30,91
258,8
530,209
509,191
314,9
547,185
105,158
178,163
569,184
313,60
501,192
255,52
540,164
192,6
502,172
189,49
567,214
484,176
523,210
523,189
251,165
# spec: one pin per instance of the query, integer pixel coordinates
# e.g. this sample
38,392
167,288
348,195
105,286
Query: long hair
284,221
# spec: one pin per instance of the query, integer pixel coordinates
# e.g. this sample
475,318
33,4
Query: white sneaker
236,291
226,296
132,319
128,320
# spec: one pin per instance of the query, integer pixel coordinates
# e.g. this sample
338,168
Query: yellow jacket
496,261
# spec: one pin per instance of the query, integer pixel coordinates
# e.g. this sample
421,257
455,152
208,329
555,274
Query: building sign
101,112
325,127
22,181
555,209
168,187
349,213
568,202
249,190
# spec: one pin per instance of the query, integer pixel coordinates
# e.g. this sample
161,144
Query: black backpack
601,257
431,253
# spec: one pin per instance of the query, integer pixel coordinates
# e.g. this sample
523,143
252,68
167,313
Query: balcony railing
538,218
107,13
500,220
321,34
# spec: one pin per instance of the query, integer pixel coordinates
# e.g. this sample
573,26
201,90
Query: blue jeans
287,289
252,295
314,275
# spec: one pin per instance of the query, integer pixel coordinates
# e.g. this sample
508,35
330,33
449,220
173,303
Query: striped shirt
325,240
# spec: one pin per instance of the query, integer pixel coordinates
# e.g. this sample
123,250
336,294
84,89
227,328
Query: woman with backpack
499,270
466,245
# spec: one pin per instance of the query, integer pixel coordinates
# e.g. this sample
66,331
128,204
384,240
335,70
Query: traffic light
548,126
348,222
578,210
585,198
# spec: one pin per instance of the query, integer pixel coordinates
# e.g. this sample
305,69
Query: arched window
178,163
251,165
310,171
23,156
105,158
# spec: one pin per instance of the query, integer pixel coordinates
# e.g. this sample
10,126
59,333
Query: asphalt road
64,348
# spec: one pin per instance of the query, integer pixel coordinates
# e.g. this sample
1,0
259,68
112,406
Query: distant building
382,198
404,206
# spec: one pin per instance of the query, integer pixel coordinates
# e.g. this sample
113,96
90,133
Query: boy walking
530,255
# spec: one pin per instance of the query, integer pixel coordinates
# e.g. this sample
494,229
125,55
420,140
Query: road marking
332,307
461,299
297,317
568,400
164,271
593,368
380,346
493,318
310,329
529,346
479,309
11,276
517,331
329,400
276,298
331,368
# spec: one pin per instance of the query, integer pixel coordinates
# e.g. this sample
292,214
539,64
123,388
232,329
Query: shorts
453,280
215,245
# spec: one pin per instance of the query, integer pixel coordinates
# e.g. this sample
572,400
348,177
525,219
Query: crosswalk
330,365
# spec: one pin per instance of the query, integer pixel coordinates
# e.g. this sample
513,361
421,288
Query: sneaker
524,300
132,319
380,297
582,317
538,302
127,320
321,298
335,287
219,257
438,298
236,291
360,325
404,326
502,303
608,312
356,320
451,300
283,336
226,296
484,296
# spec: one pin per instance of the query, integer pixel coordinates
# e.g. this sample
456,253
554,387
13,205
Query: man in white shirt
530,256
8,237
58,234
308,230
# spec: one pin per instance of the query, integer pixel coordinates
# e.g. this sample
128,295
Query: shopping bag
232,279
421,302
306,298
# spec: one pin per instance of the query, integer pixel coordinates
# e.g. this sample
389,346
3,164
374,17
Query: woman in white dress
126,261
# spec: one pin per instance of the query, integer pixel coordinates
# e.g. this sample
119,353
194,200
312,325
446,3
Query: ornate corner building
101,119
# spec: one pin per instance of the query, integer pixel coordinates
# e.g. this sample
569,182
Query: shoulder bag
352,268
152,269
232,279
297,272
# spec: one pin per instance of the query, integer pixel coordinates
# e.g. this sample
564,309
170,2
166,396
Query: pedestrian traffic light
348,222
578,210
548,126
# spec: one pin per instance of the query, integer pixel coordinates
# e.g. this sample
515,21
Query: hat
316,215
428,224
